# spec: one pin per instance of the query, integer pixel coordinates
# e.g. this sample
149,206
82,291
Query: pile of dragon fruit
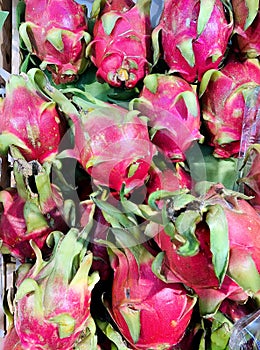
132,207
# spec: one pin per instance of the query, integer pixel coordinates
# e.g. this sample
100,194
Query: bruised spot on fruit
33,134
173,323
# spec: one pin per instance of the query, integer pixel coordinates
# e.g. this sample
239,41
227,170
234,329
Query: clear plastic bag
250,131
246,333
251,121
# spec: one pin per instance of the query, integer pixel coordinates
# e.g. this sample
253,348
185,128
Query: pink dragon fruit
121,45
173,111
194,36
223,99
111,143
13,225
113,146
56,32
247,27
30,216
11,340
251,177
216,235
169,179
139,296
235,311
52,302
29,120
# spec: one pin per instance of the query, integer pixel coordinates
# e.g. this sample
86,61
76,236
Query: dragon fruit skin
117,5
247,27
52,303
13,227
251,179
249,242
194,37
186,268
168,180
30,121
56,32
173,111
30,214
117,150
243,252
235,310
11,340
14,230
121,45
223,99
137,296
249,42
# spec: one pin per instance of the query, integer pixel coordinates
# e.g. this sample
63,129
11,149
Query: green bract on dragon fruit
113,145
173,112
138,296
56,32
205,237
247,27
224,96
121,47
30,120
193,36
30,214
52,303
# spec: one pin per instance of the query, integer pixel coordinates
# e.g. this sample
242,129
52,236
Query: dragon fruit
52,302
251,177
29,120
247,27
168,179
30,215
235,311
173,111
113,145
138,297
223,98
56,32
13,226
121,43
216,234
194,36
11,340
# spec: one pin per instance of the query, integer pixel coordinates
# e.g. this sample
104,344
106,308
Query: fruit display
132,206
